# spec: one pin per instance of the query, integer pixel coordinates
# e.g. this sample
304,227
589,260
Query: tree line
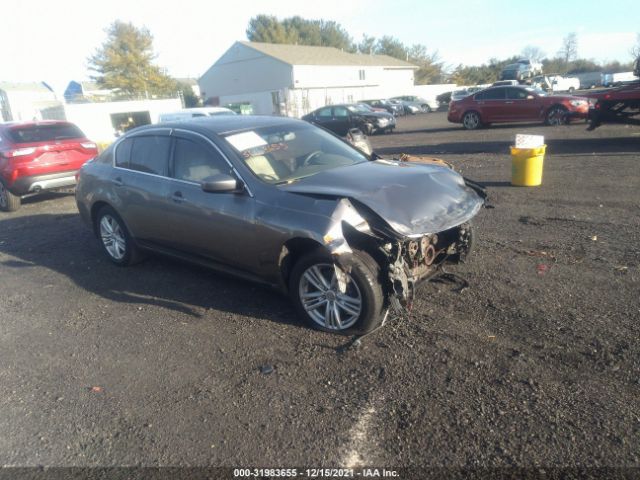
125,64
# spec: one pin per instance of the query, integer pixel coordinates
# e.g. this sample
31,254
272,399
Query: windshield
283,154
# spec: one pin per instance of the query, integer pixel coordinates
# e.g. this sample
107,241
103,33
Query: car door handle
118,182
177,197
508,103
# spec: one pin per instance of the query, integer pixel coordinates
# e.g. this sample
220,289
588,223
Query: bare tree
569,50
533,53
635,50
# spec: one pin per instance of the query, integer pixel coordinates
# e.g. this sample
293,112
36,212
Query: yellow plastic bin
526,166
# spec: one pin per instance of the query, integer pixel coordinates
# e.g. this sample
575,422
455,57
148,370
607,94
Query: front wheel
556,116
318,299
426,108
8,201
471,121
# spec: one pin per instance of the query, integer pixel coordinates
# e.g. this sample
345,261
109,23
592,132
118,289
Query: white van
189,113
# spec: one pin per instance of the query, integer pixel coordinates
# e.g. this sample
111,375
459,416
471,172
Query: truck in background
589,80
617,105
556,83
614,79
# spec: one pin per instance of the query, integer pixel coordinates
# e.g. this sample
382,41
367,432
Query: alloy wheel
323,300
113,237
556,116
471,121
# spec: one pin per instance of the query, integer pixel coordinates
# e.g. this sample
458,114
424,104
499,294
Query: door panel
491,105
140,185
219,226
341,121
520,108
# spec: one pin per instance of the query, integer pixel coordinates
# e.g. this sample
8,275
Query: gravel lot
537,364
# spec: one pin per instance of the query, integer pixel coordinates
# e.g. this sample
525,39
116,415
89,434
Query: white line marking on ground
359,435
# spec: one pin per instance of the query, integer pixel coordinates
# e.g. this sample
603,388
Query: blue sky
45,40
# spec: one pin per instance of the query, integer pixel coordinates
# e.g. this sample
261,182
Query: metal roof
312,55
25,86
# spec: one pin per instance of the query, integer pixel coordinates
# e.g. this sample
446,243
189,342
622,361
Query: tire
8,201
313,276
115,239
426,109
471,120
571,89
556,115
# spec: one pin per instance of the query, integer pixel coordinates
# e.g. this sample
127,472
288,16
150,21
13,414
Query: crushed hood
413,199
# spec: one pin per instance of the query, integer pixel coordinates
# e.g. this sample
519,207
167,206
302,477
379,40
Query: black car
341,118
393,108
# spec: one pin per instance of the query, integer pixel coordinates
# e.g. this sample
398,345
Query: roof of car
223,124
31,123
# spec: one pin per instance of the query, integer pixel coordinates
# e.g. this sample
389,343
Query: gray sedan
281,202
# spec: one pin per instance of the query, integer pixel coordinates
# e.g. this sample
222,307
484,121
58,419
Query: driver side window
193,162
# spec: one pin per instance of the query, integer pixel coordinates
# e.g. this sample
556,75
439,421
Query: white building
279,79
103,120
28,101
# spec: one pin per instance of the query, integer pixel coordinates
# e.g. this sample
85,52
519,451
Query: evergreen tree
124,63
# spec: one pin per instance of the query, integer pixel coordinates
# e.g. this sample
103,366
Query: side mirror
220,183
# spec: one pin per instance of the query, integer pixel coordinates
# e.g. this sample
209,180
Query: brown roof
312,55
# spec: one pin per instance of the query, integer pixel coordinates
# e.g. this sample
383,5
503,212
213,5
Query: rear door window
325,112
44,133
150,154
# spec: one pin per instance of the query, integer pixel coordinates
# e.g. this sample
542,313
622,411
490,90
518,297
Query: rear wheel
318,299
426,108
8,201
471,121
556,116
115,238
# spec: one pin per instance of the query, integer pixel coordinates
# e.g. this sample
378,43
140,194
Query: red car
39,156
516,104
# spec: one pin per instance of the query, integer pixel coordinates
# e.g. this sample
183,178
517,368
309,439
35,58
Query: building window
361,74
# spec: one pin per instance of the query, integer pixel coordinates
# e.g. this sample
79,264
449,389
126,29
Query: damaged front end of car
410,217
405,261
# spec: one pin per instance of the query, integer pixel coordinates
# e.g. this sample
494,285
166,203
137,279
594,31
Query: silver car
282,202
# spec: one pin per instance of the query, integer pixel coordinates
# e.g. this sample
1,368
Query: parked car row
342,118
394,107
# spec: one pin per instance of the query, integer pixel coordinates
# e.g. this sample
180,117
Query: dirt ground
536,364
